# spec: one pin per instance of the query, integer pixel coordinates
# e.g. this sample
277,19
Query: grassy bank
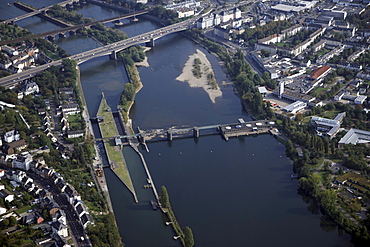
108,129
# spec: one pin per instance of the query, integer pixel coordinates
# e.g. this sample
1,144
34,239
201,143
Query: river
235,193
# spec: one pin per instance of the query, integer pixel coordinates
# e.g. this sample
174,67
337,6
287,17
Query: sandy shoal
206,67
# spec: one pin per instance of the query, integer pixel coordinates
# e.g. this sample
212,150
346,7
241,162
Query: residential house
75,134
12,136
6,195
60,229
30,87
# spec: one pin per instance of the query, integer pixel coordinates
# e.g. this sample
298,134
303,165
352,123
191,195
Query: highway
14,79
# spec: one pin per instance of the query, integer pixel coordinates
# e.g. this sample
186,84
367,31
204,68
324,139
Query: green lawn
331,114
322,52
319,90
23,210
108,129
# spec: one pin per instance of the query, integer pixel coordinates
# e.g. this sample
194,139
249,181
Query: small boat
9,4
154,204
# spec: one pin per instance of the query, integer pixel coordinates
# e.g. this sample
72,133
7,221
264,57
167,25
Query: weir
225,130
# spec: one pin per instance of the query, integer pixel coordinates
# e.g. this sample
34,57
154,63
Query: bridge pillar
196,132
113,55
150,43
141,138
62,35
43,12
169,135
51,37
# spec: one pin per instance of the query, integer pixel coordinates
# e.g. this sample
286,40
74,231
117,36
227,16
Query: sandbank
206,68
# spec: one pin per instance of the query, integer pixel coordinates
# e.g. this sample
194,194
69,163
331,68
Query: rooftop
355,136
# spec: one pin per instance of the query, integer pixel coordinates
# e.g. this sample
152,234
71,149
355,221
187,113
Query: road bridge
110,49
39,11
72,29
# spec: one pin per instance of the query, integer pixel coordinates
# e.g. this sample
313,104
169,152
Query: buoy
159,154
180,152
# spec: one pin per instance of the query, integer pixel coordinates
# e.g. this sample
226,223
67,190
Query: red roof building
320,72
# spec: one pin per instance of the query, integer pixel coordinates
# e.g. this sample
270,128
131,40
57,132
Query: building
70,109
12,136
295,107
359,100
329,126
30,87
75,134
6,195
320,72
18,145
354,136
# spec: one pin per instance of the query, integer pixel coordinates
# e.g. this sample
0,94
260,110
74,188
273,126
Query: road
14,79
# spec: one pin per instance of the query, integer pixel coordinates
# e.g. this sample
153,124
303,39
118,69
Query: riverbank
205,69
134,78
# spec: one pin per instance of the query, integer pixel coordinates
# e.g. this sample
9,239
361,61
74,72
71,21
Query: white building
295,107
30,87
359,100
12,136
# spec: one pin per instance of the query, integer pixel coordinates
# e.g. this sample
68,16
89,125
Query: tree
189,239
164,199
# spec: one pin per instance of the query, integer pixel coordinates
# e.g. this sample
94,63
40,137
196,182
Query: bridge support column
169,135
196,132
113,55
51,38
62,35
150,43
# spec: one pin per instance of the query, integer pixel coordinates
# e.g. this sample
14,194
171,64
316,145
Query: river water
235,193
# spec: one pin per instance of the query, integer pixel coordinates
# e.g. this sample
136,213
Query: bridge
225,130
39,11
109,49
71,29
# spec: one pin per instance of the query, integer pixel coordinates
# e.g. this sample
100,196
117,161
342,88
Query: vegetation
212,81
164,14
186,236
104,232
196,68
129,57
67,16
104,34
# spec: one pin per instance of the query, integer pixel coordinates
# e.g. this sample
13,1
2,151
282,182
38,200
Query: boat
154,204
119,23
9,4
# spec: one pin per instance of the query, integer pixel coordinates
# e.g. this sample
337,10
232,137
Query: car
238,126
